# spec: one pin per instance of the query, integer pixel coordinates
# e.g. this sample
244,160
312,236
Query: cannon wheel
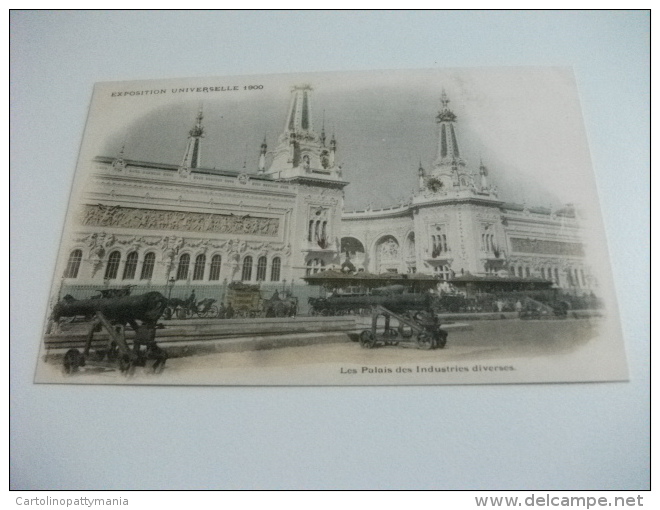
126,365
424,341
72,361
367,339
405,331
160,356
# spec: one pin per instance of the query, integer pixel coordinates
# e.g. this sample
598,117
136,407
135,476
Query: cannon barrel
145,307
395,302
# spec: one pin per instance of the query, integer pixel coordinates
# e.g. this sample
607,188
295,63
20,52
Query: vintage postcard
367,228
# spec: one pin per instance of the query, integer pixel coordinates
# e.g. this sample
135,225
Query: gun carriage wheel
72,361
424,341
367,339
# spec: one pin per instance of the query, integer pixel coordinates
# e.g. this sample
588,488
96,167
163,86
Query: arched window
73,265
557,276
148,266
131,266
543,273
527,272
246,276
216,263
184,266
261,269
198,272
275,270
310,236
520,271
113,265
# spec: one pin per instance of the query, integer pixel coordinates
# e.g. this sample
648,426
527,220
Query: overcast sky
525,123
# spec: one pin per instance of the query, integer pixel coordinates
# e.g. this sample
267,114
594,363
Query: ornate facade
144,223
455,224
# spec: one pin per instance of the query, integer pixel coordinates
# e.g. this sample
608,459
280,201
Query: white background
562,436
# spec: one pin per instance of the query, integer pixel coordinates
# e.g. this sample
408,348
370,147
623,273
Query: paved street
487,340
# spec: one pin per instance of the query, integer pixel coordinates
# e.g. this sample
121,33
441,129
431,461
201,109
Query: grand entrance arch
353,254
387,255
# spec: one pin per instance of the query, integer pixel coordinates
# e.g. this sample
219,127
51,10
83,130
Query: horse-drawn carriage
190,307
281,304
245,301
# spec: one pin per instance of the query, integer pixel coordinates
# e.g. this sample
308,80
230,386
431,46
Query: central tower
449,171
301,152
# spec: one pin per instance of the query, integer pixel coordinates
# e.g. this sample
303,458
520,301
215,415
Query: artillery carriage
420,329
113,314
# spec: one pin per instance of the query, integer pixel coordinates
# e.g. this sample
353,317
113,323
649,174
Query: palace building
455,224
189,226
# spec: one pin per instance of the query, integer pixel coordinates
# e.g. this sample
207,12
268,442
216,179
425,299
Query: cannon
394,301
419,329
113,314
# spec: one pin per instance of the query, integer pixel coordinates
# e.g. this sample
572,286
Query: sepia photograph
417,227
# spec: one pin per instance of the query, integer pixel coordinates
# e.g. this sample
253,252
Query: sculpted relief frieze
152,219
546,247
192,192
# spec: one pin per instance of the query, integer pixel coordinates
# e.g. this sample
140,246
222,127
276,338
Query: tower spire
300,118
421,174
119,163
191,158
448,167
323,130
300,151
262,155
448,144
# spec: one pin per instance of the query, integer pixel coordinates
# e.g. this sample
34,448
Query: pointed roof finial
444,99
323,129
445,114
198,129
